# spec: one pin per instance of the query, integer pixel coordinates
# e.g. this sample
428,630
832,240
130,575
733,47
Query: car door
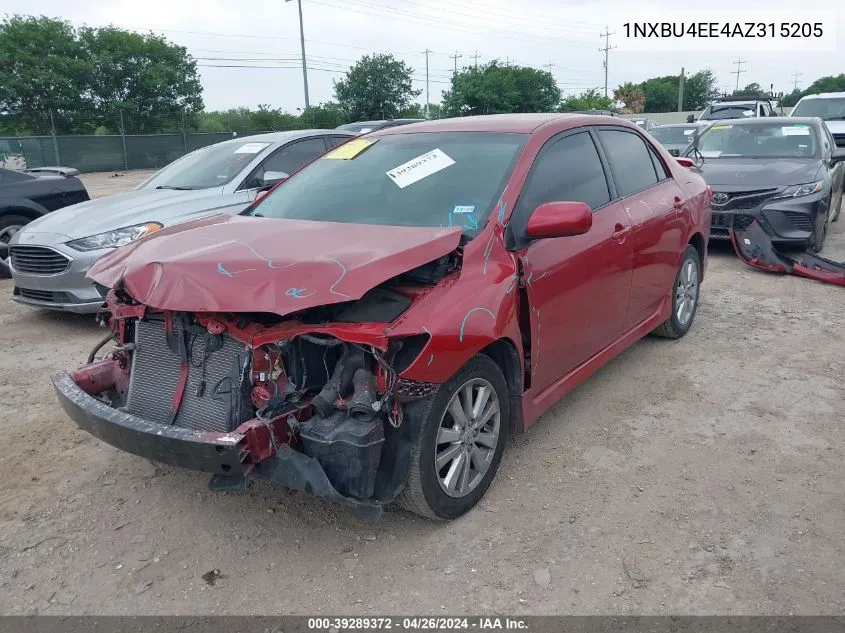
578,286
654,204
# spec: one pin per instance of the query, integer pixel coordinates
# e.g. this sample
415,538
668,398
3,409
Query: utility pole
681,91
738,63
607,48
427,106
302,44
549,66
456,57
795,77
475,58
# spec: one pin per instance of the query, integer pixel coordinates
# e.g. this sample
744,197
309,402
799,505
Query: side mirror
838,156
559,219
273,178
685,162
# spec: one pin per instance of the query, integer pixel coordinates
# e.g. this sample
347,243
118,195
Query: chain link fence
102,152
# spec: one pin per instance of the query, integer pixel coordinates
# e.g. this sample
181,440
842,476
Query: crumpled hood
132,207
751,173
228,263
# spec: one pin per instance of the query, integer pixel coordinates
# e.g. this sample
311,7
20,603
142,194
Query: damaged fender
754,247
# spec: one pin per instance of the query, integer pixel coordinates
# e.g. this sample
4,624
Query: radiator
221,406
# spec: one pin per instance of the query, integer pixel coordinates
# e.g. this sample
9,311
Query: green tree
700,89
376,87
495,89
434,111
325,116
661,93
632,96
43,70
150,81
589,100
831,83
751,90
789,100
413,111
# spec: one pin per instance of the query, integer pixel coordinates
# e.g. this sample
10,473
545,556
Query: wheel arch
504,353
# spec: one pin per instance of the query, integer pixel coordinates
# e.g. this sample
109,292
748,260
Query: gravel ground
700,476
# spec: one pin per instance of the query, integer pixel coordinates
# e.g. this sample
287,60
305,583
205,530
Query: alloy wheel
686,292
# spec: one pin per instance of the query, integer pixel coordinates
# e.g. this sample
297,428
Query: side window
288,159
659,167
632,166
567,170
294,156
334,141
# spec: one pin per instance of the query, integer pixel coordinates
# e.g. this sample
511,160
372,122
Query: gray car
50,257
676,137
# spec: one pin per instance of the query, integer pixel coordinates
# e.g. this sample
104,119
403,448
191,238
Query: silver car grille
155,374
38,260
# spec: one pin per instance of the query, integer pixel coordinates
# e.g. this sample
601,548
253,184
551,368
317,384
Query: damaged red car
377,327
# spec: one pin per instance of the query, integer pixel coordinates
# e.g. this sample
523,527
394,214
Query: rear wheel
9,225
463,429
685,293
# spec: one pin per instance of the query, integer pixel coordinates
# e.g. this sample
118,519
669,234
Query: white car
829,106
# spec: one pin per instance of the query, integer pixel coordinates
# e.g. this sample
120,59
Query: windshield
358,128
828,109
423,179
212,166
673,134
734,111
759,140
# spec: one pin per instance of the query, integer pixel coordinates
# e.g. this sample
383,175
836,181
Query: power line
607,48
550,65
475,59
738,63
795,77
456,57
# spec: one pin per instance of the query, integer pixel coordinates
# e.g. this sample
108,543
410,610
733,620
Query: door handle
679,204
620,232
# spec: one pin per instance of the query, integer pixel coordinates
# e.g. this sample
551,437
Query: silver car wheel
467,437
686,293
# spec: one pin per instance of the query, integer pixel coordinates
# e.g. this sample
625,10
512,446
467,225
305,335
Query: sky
562,36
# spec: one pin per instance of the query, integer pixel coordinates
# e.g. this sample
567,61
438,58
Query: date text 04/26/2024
716,30
338,624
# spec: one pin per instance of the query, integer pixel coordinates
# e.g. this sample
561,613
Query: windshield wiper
175,188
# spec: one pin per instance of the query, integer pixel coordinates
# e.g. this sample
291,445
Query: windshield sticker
463,209
711,154
364,130
795,130
251,148
420,167
688,132
748,112
722,127
350,149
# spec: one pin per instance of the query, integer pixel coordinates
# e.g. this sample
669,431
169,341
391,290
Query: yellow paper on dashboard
350,149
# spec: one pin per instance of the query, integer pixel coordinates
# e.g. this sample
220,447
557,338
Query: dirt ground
700,476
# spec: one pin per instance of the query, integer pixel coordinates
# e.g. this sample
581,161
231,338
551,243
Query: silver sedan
50,257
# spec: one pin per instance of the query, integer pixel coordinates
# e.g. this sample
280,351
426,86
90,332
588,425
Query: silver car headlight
115,238
797,191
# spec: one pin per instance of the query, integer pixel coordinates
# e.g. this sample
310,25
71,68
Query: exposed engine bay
318,390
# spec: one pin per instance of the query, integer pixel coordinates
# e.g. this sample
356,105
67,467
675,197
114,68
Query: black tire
838,211
673,327
7,221
819,235
423,493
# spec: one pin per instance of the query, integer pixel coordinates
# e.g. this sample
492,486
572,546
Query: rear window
735,111
827,109
674,135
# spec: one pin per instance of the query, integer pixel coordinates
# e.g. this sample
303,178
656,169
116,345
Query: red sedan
376,327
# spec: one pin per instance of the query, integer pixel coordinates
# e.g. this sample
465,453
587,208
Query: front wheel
9,225
685,293
463,429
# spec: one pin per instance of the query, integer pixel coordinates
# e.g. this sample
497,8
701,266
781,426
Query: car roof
522,123
285,137
697,123
782,120
825,95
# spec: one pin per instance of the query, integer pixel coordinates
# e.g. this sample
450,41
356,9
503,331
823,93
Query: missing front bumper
221,454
